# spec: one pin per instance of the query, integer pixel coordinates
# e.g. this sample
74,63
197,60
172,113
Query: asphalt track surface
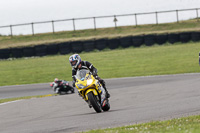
133,100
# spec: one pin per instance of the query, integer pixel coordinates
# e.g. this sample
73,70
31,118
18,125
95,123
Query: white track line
24,85
9,102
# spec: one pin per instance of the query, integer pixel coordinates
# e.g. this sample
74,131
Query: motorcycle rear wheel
107,106
94,102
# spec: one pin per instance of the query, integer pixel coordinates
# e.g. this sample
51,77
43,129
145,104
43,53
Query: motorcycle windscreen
81,74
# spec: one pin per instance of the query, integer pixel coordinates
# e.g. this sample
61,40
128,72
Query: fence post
115,21
32,28
156,17
11,32
53,26
135,19
74,24
95,23
177,16
197,15
199,58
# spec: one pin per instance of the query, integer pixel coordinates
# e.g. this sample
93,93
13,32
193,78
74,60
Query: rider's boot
107,94
104,85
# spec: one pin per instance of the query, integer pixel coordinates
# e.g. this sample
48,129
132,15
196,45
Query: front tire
94,102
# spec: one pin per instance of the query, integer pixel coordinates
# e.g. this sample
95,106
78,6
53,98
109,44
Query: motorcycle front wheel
94,102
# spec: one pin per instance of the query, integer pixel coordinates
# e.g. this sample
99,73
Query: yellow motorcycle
91,91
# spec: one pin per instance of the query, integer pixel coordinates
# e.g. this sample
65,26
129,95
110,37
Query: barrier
138,40
17,52
195,36
113,43
149,40
41,50
101,44
88,45
126,41
161,39
185,37
52,49
4,53
154,16
173,38
77,46
64,48
28,51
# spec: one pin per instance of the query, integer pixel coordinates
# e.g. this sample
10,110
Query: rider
77,64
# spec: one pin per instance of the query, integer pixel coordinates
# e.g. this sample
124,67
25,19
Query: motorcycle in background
61,87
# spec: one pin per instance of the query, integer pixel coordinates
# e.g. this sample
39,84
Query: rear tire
106,107
94,102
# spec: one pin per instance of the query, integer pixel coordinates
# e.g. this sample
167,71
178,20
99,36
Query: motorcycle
61,87
91,91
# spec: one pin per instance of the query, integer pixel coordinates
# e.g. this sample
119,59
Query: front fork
98,96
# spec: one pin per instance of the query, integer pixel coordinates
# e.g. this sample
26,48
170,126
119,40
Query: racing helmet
74,60
56,80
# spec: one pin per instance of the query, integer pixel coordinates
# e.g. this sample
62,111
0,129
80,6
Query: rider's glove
94,72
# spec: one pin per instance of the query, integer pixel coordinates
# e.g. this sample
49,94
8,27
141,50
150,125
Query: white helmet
74,60
56,79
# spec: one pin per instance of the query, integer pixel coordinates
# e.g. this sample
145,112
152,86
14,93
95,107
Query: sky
22,11
27,11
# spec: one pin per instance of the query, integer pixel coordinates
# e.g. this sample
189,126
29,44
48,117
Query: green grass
130,62
47,38
180,125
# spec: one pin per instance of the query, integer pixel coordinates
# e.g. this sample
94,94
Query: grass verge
130,62
47,38
189,124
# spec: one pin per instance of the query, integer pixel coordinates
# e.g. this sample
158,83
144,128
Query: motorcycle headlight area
89,82
81,86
